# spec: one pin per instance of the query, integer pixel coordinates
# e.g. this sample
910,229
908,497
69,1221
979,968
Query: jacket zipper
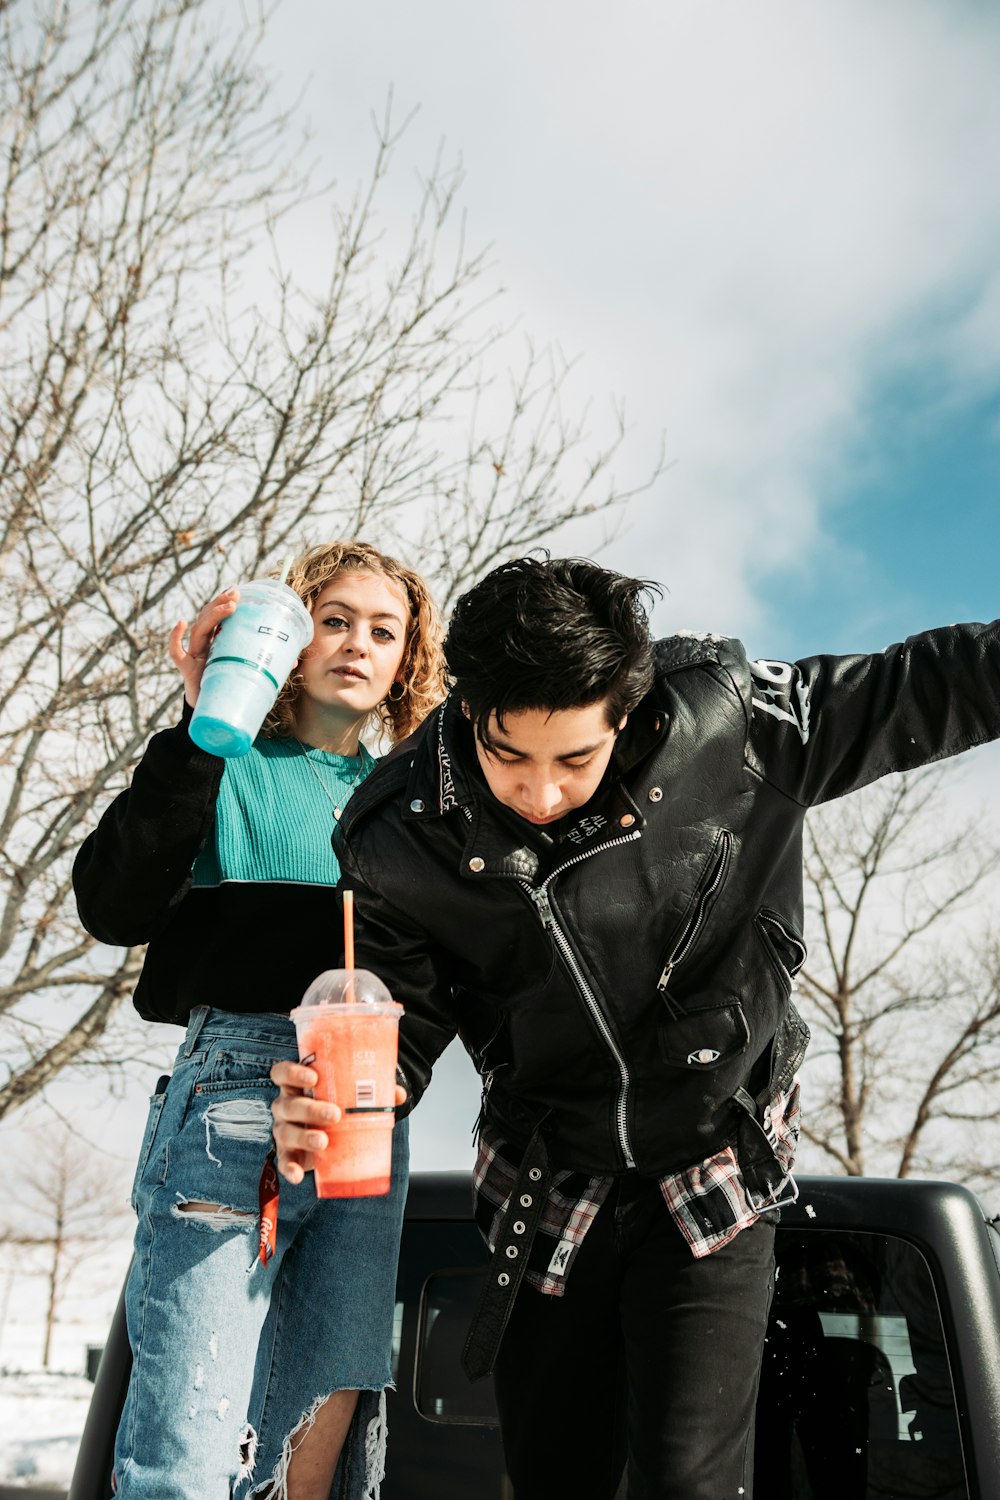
706,900
543,905
770,920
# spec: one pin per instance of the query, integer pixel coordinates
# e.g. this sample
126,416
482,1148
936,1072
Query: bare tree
167,426
902,989
68,1205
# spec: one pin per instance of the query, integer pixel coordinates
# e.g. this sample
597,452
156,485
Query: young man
588,864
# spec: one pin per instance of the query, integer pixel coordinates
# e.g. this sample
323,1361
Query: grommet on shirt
518,1226
535,1173
416,805
511,1252
626,820
503,1279
655,794
525,1200
476,864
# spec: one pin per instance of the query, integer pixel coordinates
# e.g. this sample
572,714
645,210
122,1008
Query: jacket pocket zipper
705,899
771,919
484,1097
480,1053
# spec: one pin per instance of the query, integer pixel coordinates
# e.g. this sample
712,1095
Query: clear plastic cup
349,1023
251,656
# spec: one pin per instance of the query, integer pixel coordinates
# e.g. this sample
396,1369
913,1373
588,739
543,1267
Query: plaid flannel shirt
709,1202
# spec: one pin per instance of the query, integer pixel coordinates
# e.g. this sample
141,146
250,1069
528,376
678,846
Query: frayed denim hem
362,1457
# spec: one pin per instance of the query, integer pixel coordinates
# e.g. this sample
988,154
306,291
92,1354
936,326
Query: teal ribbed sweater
272,819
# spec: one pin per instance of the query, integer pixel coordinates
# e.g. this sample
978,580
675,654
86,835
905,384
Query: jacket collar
441,780
436,780
443,784
687,648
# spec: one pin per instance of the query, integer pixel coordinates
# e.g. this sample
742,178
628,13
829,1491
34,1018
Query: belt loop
196,1021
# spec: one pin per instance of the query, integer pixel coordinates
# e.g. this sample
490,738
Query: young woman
255,1370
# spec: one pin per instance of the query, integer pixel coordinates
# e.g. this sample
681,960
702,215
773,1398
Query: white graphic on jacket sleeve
778,690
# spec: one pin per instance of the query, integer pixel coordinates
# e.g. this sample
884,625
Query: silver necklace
338,811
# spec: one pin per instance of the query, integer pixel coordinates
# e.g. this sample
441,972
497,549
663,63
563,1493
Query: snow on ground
41,1416
42,1412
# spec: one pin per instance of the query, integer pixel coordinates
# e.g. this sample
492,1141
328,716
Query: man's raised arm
827,725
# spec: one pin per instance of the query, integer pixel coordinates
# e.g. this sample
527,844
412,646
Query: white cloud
738,212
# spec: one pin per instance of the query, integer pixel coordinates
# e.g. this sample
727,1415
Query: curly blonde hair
421,674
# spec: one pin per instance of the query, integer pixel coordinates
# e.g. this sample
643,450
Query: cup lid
281,593
347,987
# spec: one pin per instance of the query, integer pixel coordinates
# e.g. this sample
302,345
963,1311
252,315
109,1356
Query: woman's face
360,621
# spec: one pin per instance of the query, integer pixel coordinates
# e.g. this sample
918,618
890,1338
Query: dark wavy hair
552,634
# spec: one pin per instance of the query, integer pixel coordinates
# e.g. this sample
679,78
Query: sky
770,230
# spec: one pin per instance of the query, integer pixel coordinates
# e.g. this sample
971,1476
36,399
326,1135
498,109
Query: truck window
445,1440
856,1394
856,1399
441,1391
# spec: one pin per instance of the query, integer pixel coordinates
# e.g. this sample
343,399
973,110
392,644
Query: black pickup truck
881,1377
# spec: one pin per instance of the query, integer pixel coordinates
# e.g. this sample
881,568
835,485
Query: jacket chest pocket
699,909
786,952
705,1038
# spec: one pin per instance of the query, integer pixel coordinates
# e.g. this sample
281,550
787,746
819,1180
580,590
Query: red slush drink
350,1025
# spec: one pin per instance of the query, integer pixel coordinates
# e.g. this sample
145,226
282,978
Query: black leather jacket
636,990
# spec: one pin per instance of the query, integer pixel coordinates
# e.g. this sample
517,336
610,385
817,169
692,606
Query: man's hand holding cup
301,1123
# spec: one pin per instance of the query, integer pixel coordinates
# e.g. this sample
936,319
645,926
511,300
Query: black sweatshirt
240,946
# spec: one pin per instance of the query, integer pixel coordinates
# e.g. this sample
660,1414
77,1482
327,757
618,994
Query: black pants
650,1357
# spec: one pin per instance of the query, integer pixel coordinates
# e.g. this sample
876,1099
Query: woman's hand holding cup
190,661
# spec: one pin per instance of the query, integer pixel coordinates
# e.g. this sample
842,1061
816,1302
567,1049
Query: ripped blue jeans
231,1358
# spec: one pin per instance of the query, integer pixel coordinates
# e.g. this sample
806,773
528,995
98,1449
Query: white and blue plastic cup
251,656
